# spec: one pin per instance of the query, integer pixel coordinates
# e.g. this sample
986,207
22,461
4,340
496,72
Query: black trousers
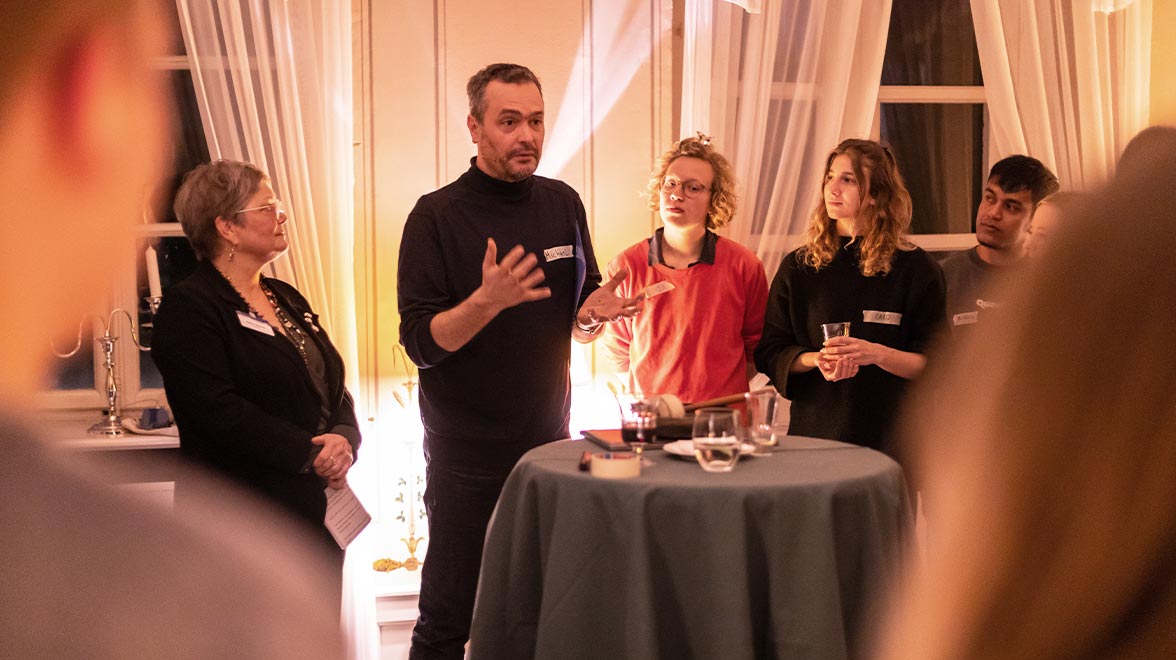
459,500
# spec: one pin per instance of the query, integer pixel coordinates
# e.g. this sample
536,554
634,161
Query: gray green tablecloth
781,558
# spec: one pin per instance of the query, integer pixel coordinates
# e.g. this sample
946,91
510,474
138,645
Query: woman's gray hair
214,190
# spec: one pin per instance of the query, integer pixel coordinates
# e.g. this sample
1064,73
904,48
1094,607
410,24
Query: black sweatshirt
861,409
508,389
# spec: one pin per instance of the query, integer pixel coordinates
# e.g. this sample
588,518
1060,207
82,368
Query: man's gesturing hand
605,305
512,281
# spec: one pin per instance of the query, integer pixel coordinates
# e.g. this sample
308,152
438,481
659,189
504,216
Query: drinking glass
761,409
716,438
831,330
779,431
638,421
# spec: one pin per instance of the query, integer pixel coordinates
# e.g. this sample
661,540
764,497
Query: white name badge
255,324
656,289
885,318
965,318
559,252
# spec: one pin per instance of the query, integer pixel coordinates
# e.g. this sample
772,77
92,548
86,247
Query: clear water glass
716,438
762,407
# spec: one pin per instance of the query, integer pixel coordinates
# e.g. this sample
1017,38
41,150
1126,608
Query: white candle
153,273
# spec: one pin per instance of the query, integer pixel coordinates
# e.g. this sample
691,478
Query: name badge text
559,252
255,324
885,318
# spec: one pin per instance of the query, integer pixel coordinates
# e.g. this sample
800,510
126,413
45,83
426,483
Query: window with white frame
78,382
932,113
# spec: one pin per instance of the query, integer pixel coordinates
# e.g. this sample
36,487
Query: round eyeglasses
690,187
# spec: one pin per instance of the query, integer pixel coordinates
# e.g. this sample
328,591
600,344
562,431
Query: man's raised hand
512,281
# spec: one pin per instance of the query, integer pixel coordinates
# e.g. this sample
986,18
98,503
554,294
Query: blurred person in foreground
856,265
1050,451
696,340
86,571
253,380
1047,220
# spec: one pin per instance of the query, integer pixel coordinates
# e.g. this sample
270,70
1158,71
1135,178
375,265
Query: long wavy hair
885,211
723,200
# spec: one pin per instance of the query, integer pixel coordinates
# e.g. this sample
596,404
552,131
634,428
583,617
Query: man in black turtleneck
496,272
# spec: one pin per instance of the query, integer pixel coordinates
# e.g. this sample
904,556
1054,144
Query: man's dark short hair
1017,173
506,73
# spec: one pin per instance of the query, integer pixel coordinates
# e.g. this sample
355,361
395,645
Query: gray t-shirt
973,287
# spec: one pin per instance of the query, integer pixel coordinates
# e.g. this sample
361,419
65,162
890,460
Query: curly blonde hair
885,211
723,200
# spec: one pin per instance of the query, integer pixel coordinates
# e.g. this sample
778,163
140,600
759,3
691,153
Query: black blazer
243,400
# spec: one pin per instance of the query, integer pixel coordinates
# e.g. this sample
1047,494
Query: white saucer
685,449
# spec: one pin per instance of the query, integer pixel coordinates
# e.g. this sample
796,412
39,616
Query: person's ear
226,228
475,129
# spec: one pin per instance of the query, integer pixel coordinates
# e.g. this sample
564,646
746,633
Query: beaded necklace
293,332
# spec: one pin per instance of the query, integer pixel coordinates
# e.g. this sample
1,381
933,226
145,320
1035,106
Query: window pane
940,152
189,148
171,18
76,372
176,261
931,42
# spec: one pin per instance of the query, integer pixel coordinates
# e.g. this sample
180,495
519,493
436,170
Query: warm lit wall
606,126
1163,63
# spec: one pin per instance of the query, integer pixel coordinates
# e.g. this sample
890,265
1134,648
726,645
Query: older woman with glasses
704,295
254,383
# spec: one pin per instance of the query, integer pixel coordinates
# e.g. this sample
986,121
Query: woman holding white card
704,295
857,266
254,383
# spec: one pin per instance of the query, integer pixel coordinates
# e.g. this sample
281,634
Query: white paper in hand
346,517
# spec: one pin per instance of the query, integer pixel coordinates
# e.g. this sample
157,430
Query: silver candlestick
111,425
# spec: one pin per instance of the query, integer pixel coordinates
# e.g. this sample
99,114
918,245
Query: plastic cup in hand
761,410
716,438
831,330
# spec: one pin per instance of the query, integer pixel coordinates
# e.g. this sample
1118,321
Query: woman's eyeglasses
690,187
275,207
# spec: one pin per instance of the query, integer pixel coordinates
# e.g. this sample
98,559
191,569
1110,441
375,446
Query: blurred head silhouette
1050,449
88,572
82,122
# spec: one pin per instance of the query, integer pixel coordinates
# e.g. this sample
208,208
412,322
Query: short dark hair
502,72
1017,173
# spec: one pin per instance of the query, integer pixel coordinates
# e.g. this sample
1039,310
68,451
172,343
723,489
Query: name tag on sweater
255,324
655,289
559,252
885,318
965,318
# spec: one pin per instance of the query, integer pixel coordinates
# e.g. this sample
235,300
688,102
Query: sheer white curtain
1067,80
777,90
274,85
273,82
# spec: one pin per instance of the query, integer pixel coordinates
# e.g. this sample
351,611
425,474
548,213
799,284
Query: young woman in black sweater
856,265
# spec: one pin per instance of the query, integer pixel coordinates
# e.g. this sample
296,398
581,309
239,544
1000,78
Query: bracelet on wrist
589,329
